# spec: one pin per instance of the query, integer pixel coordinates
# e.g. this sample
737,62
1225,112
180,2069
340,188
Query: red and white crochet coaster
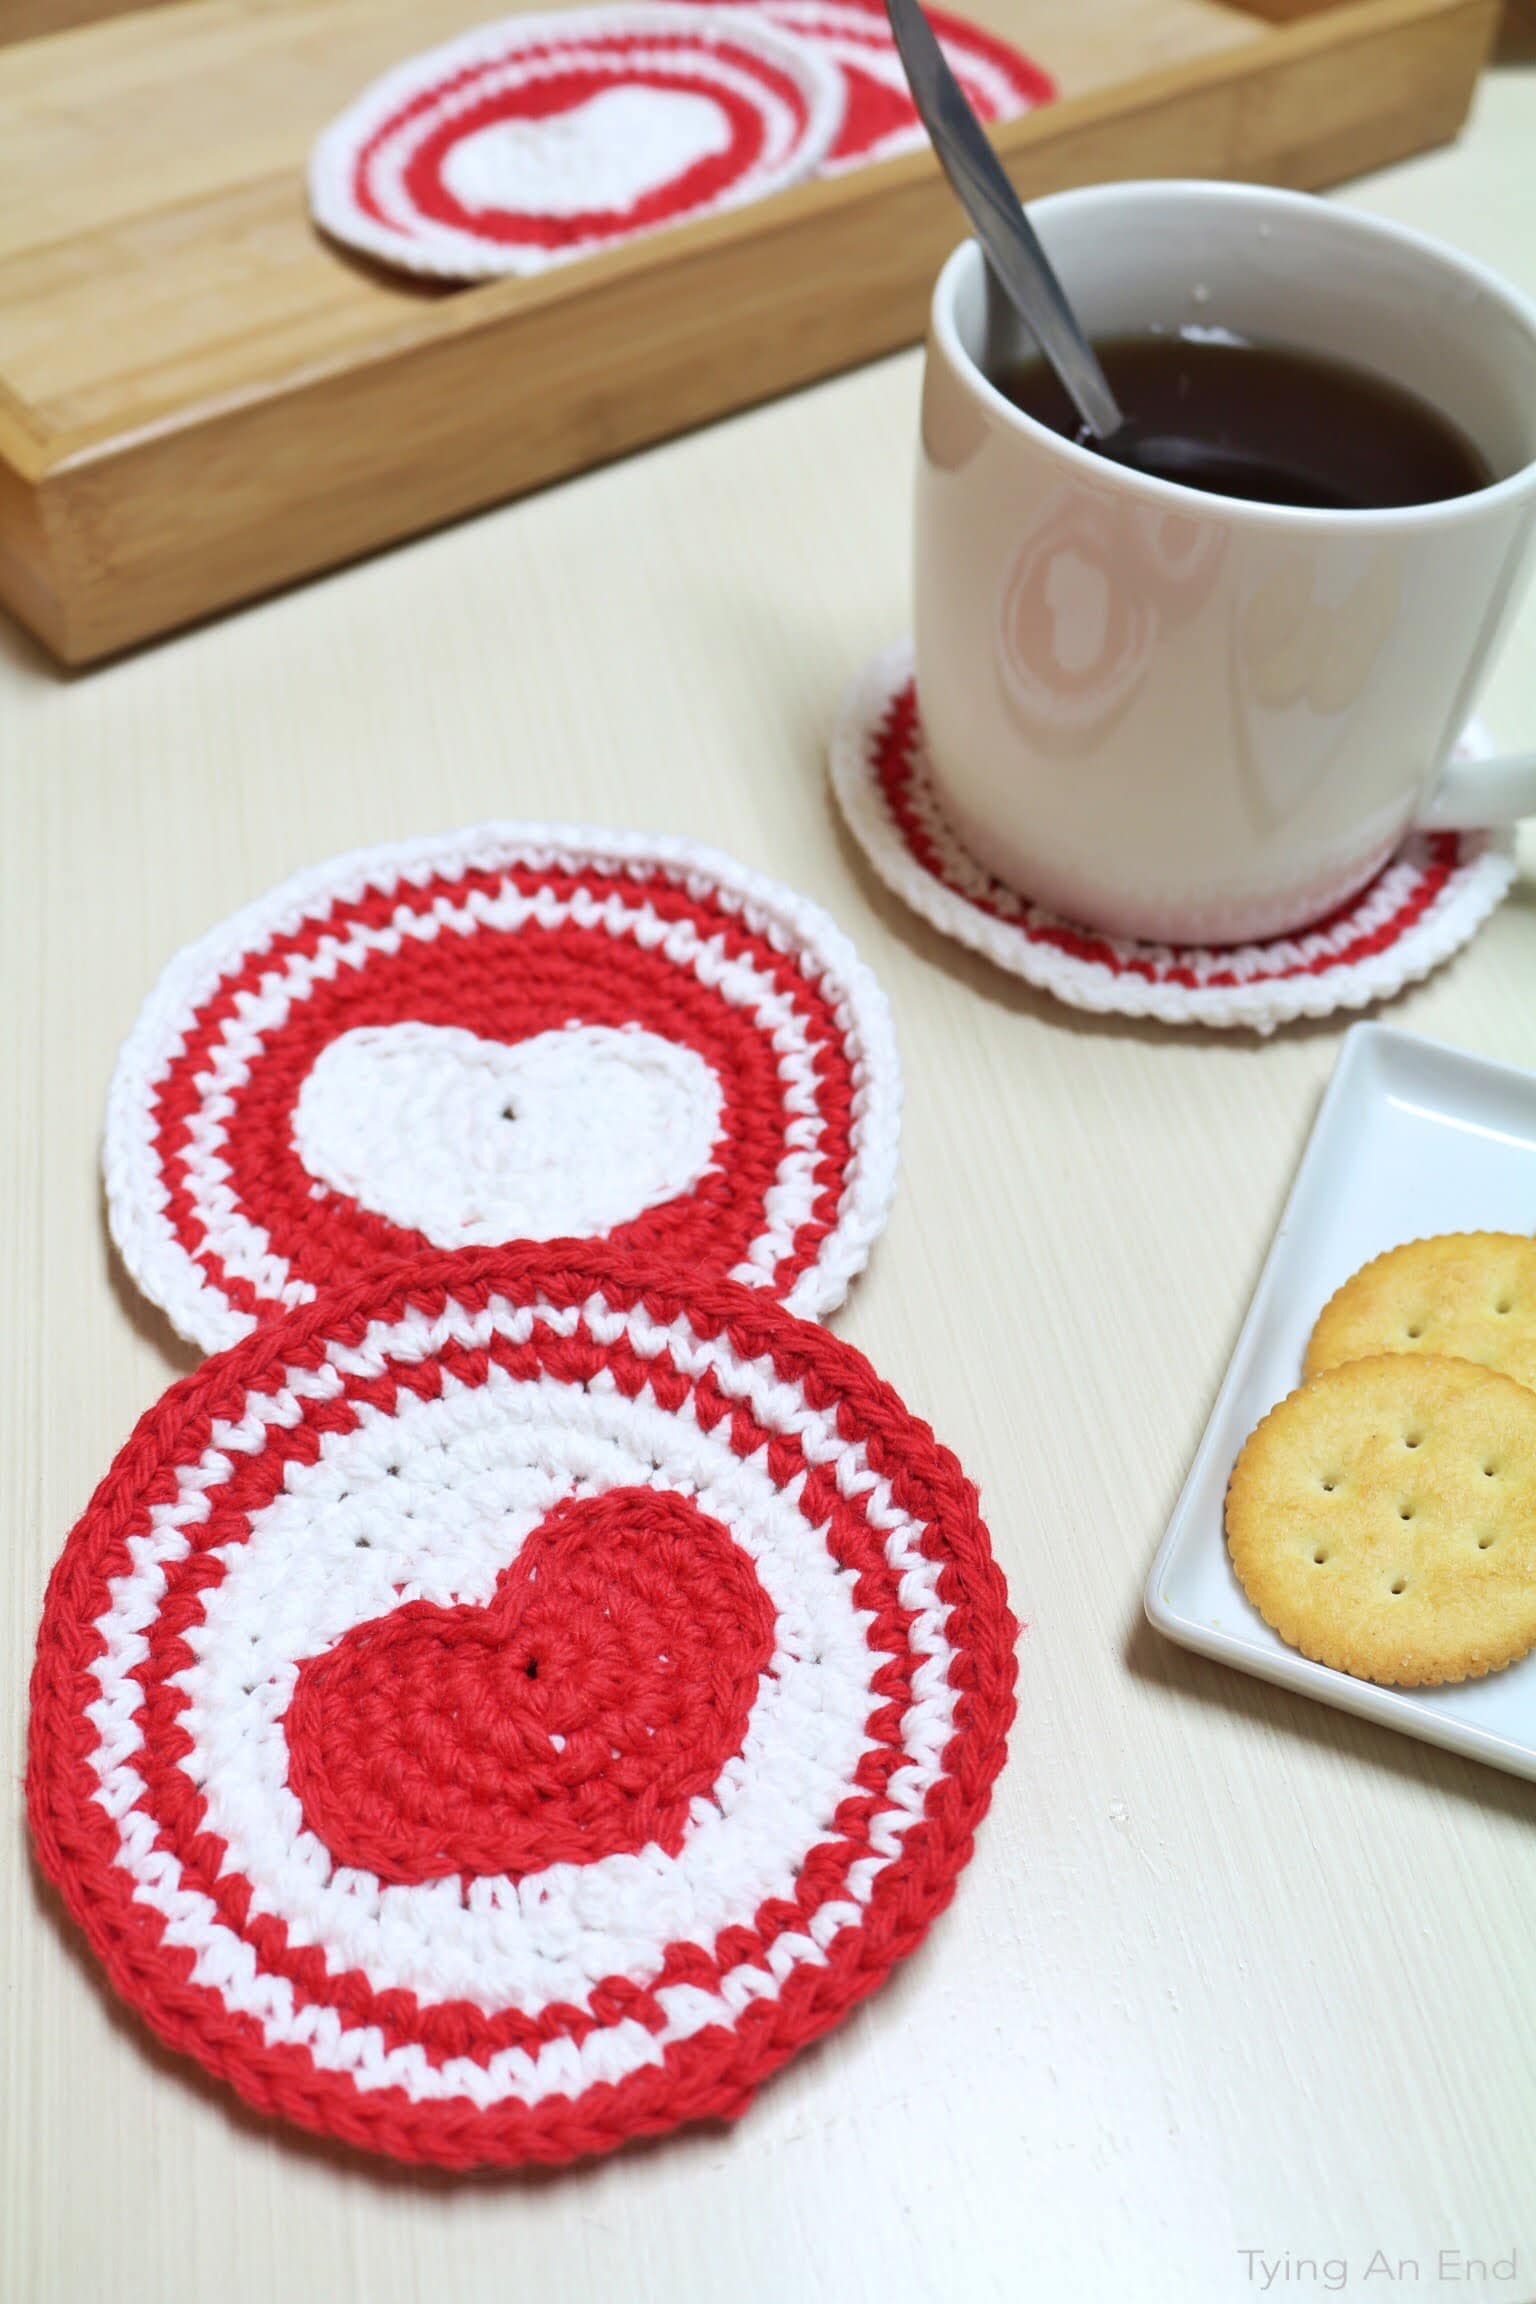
516,1032
1429,901
508,1707
879,118
540,138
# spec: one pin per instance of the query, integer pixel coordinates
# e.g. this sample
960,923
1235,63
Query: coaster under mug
1430,900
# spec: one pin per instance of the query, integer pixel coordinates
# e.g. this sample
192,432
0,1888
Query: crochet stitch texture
513,1702
1429,900
879,118
538,139
515,1032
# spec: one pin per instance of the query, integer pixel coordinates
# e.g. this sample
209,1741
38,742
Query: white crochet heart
528,142
602,155
470,1141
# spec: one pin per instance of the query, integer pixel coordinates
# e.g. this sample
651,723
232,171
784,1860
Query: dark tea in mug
1268,423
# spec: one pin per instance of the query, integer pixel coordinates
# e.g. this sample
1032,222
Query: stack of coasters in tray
542,138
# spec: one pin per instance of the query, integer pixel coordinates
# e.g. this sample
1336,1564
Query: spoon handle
1005,232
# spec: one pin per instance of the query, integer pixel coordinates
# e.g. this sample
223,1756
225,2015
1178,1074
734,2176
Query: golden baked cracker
1383,1519
1465,1295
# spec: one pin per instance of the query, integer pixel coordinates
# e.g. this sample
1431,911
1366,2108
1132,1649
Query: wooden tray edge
280,485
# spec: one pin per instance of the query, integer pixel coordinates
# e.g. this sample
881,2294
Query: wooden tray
200,399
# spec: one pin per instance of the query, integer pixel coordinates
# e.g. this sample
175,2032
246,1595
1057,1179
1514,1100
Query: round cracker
1383,1519
1462,1295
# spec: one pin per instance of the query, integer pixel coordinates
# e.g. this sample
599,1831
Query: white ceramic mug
1180,716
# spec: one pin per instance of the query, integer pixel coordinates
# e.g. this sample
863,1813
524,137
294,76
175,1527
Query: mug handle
1475,795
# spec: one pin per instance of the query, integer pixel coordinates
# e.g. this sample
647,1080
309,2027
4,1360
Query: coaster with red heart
575,1715
515,1701
516,1032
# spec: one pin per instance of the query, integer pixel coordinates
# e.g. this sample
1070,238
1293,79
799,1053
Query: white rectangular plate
1411,1139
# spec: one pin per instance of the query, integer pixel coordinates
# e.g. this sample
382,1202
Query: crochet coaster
1429,901
508,1707
515,1032
879,118
535,140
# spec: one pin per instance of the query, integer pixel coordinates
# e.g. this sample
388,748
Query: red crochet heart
575,1716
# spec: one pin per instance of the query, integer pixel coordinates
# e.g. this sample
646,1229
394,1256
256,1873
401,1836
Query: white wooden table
1230,1972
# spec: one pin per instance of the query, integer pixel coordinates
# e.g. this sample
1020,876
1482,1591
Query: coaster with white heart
539,138
520,1032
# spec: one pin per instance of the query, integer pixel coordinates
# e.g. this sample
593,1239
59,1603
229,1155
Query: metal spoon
1018,265
1012,246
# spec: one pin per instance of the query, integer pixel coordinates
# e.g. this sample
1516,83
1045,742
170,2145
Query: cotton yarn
511,1703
